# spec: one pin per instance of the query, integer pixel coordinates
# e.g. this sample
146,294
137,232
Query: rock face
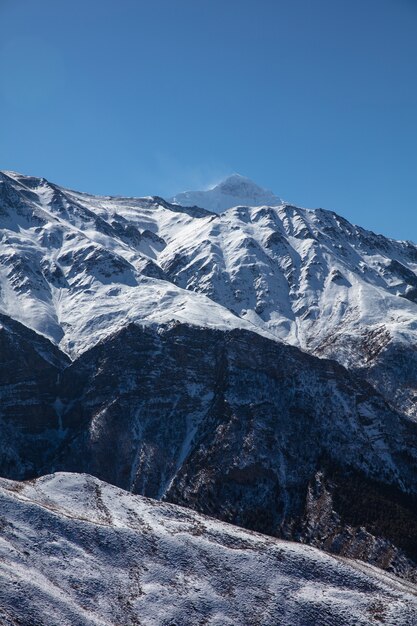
29,370
75,550
181,384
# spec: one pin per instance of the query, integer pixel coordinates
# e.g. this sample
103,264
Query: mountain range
223,351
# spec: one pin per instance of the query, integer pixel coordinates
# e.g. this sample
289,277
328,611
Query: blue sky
314,99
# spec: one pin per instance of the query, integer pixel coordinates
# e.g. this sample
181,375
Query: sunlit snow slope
75,550
77,267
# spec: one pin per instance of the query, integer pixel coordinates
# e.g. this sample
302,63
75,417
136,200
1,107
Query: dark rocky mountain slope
231,424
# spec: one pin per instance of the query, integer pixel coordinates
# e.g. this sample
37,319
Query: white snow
75,550
233,191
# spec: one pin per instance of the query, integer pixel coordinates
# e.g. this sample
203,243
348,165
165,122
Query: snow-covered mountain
147,343
76,268
75,550
236,190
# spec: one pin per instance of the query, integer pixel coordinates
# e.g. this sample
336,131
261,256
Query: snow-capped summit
232,191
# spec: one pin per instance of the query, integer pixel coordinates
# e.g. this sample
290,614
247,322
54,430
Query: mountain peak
232,191
235,178
237,182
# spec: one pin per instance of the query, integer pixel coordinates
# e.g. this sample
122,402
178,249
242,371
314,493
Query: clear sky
314,99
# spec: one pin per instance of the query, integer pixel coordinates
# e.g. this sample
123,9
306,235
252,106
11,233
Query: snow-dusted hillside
233,191
77,267
75,550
